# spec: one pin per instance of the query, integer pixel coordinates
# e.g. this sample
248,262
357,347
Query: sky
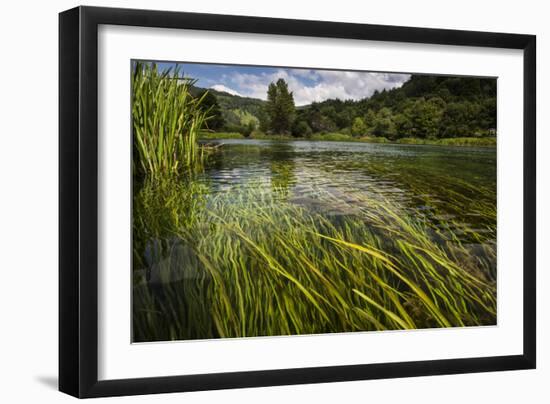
308,85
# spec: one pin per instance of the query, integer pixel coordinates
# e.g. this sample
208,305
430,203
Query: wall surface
28,199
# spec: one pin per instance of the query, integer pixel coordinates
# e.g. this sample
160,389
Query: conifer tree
280,107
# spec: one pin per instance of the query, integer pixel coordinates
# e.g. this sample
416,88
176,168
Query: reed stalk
166,121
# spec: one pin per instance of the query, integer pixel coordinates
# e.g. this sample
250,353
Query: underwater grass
250,262
166,121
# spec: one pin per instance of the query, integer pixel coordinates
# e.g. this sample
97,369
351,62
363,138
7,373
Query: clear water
454,185
197,276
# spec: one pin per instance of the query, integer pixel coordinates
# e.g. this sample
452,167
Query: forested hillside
426,107
233,113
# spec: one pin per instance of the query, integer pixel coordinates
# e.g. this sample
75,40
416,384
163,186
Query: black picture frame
78,201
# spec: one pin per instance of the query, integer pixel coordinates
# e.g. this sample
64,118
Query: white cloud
323,84
221,87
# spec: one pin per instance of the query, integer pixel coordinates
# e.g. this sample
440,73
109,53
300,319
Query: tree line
423,107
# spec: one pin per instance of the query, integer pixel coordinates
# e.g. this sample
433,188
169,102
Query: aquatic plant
166,121
249,262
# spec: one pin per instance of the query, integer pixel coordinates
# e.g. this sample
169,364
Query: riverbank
340,137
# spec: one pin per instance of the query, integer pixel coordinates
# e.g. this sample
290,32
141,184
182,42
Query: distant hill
424,106
237,111
230,101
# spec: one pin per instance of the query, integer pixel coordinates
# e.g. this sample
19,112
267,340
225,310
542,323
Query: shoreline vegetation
243,260
453,111
166,122
340,137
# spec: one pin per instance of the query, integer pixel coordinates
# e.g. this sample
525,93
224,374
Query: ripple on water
444,184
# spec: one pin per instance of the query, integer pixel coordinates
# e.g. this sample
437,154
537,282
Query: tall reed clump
166,121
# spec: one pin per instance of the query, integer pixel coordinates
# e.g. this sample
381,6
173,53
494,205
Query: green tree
210,104
280,107
370,118
459,119
301,129
358,128
425,117
249,128
263,118
383,124
403,125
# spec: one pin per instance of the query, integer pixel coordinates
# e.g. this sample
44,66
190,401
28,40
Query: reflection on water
447,184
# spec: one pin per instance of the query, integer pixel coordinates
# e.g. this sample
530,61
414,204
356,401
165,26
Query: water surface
448,184
312,237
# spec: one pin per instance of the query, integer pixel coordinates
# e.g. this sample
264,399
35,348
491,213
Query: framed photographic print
251,201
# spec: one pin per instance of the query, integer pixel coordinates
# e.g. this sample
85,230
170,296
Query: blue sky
308,85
